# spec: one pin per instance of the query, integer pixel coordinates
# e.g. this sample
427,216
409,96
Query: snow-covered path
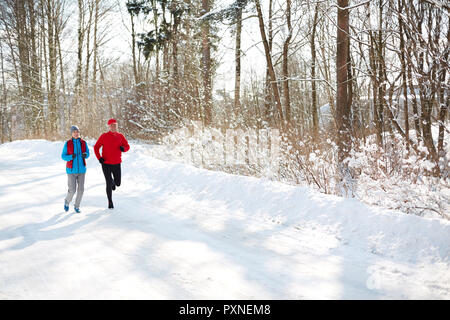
180,232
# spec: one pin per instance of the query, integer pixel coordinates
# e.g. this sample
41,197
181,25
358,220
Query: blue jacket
78,164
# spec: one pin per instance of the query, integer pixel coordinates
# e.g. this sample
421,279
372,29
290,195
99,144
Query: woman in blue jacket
75,152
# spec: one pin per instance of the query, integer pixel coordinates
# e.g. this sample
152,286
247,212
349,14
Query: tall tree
313,71
206,65
52,16
79,72
271,70
403,71
95,50
3,106
287,98
237,60
342,107
267,91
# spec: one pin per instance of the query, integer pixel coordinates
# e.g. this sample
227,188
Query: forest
357,92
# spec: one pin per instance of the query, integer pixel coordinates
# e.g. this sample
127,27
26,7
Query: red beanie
110,121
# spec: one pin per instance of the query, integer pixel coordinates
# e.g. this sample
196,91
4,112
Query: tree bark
88,43
20,14
35,84
206,66
273,79
133,50
313,73
52,58
267,91
79,72
444,103
403,71
237,59
342,107
95,62
287,99
3,107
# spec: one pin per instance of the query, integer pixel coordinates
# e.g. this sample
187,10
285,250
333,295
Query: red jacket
111,143
70,149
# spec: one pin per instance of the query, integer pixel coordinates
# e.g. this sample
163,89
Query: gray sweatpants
72,181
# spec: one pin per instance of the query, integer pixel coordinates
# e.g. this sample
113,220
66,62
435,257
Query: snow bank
391,177
408,236
182,232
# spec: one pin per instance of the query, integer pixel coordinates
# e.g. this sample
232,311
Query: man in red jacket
113,143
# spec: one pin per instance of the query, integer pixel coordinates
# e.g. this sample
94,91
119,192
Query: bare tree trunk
133,51
9,40
237,59
52,58
273,79
353,118
91,7
3,108
155,23
444,103
59,26
380,53
427,90
206,66
287,99
95,62
23,47
403,66
45,58
78,80
35,84
342,107
374,65
175,72
63,84
24,63
268,95
381,86
313,73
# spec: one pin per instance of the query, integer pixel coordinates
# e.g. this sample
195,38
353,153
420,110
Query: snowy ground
180,232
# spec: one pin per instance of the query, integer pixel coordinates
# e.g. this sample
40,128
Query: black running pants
111,171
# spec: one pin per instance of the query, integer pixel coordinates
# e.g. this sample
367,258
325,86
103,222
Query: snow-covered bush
396,178
390,176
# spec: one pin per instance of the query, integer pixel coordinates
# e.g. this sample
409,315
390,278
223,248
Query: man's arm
97,147
125,144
